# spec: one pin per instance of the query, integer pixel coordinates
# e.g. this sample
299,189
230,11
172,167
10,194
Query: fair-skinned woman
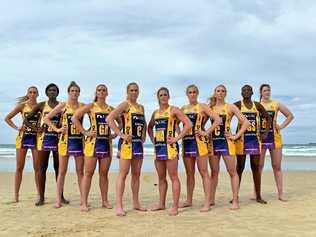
98,145
26,138
222,142
273,141
194,145
70,140
164,119
130,150
47,139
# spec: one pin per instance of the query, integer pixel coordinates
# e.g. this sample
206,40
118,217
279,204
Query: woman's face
101,92
32,93
192,94
52,92
74,93
133,92
266,92
246,92
163,97
220,93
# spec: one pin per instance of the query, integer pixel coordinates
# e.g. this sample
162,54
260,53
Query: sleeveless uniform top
47,140
133,124
27,139
194,146
101,145
221,145
274,139
165,127
70,143
249,142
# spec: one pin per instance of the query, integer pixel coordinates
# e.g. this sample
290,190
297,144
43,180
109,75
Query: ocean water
296,157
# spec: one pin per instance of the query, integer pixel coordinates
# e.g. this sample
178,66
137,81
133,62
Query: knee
89,173
276,167
162,179
204,173
255,167
123,174
103,175
136,174
214,173
190,175
79,172
19,169
174,177
232,172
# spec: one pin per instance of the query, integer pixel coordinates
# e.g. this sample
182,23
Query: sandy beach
293,218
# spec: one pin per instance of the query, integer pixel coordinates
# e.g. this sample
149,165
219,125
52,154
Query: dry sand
297,217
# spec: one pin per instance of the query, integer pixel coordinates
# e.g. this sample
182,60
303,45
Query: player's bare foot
64,201
107,205
84,208
282,199
261,201
57,205
158,207
173,211
139,208
205,208
185,204
120,212
234,206
40,202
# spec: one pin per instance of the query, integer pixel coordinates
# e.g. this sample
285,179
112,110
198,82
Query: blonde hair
212,99
73,84
95,97
24,98
192,86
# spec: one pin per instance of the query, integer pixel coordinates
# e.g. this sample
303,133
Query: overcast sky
162,43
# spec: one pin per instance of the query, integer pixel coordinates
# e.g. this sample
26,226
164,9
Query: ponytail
25,98
261,88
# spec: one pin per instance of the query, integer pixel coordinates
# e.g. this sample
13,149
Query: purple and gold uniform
274,139
27,138
220,144
133,124
70,143
194,146
249,143
165,126
47,140
101,145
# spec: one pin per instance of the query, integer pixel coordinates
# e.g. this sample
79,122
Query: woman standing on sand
26,138
98,144
194,145
223,142
164,119
273,141
250,142
130,149
47,139
70,140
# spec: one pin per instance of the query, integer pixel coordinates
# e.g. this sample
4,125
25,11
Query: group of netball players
53,126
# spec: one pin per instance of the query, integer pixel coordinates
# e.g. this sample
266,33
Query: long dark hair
261,88
162,89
